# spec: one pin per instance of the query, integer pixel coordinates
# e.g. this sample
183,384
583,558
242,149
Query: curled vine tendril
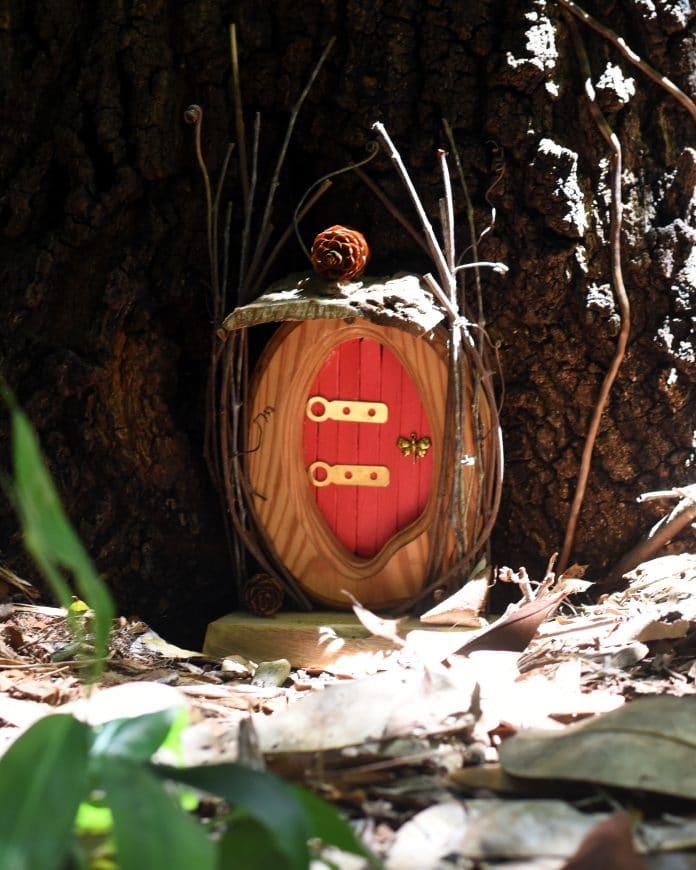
373,149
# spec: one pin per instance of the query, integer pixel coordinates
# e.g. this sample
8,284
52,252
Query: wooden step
319,640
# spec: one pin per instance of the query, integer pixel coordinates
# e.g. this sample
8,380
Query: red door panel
364,517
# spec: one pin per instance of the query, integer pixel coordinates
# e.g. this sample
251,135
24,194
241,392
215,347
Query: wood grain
283,496
318,640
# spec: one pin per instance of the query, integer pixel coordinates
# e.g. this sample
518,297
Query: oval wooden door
332,398
367,446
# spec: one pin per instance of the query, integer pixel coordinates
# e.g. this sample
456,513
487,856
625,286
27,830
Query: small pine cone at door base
340,253
263,595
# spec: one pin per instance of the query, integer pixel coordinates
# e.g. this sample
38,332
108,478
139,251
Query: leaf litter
560,736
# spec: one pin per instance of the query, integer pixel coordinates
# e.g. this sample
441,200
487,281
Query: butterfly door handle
414,446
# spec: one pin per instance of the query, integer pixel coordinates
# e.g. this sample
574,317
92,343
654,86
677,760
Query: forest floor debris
550,743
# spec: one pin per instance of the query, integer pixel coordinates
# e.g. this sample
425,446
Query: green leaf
93,820
150,830
325,823
266,798
48,535
134,739
43,778
246,844
172,742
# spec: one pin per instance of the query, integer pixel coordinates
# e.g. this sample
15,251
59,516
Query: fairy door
367,445
345,436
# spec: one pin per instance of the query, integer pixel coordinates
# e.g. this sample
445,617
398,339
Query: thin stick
476,265
249,207
226,257
501,268
448,210
670,526
440,295
239,116
392,209
459,506
196,112
433,247
218,307
288,232
629,54
619,290
275,180
470,219
373,148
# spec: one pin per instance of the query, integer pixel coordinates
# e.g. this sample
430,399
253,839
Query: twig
447,211
249,207
501,268
629,54
676,492
275,179
476,265
433,247
670,526
392,209
300,210
288,232
218,306
619,290
453,498
194,115
239,116
226,257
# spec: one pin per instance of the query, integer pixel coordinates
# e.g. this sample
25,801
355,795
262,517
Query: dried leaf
490,776
421,843
483,830
153,642
387,705
649,626
649,744
386,628
573,571
126,701
610,844
514,630
462,608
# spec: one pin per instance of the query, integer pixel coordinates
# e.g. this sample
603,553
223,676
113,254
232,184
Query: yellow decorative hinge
320,409
322,474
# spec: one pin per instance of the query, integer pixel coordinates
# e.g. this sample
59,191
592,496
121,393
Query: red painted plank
365,518
347,444
369,536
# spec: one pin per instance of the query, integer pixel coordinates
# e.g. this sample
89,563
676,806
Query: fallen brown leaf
514,630
610,844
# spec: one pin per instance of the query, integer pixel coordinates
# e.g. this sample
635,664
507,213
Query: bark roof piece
400,301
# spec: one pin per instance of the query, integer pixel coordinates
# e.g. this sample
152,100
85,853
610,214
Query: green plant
50,538
75,795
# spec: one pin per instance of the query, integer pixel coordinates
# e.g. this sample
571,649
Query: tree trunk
105,300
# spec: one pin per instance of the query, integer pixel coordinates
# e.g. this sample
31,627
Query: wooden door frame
283,500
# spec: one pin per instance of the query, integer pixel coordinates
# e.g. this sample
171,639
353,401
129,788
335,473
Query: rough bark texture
103,256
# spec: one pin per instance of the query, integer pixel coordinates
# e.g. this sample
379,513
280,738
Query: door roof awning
401,301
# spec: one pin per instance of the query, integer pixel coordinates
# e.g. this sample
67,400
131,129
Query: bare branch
629,54
621,296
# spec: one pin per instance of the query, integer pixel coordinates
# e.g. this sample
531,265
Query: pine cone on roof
340,253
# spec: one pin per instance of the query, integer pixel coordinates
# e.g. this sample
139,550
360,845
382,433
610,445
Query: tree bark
103,253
